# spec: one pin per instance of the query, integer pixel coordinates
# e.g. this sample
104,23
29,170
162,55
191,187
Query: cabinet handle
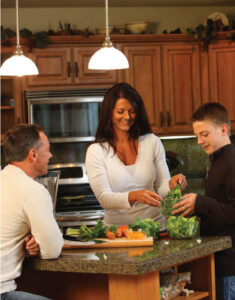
162,119
168,119
76,69
69,69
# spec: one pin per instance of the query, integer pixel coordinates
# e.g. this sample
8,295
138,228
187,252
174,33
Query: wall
37,19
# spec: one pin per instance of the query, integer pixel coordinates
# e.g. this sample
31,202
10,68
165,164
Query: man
211,125
26,206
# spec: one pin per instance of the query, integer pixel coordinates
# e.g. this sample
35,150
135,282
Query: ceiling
94,3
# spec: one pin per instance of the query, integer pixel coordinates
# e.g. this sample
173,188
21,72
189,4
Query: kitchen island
124,273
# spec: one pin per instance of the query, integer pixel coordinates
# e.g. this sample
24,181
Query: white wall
37,19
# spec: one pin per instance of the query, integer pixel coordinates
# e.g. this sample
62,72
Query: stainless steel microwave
66,116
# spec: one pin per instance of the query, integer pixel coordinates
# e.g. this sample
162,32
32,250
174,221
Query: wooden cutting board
118,242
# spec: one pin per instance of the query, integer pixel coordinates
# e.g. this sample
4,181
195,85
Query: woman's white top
111,180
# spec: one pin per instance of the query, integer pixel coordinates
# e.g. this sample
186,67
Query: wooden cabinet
182,87
171,72
222,75
11,100
168,79
61,66
145,74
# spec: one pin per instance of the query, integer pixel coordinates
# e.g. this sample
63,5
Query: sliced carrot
136,235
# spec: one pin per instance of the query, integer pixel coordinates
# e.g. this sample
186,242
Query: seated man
26,206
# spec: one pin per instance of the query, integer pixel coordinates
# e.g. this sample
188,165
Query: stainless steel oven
70,119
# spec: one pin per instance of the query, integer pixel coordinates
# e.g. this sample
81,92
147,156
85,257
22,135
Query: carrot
118,232
124,229
110,235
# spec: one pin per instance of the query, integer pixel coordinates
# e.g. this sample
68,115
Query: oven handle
83,179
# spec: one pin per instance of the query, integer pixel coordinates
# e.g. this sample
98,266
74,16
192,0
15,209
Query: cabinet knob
76,69
69,69
162,119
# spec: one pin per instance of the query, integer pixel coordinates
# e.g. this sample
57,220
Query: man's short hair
214,112
19,140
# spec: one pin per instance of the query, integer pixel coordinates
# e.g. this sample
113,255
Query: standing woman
126,165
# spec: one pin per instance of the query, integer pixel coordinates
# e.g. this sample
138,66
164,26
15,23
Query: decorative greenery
41,39
206,33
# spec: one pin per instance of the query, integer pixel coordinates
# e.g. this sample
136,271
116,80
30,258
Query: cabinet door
82,75
11,97
54,65
222,76
146,76
182,91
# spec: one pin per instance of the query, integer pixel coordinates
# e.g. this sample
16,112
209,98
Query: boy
211,125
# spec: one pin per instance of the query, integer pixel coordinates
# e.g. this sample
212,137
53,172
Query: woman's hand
145,196
31,246
176,179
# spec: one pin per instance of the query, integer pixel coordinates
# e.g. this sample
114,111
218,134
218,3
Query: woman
126,165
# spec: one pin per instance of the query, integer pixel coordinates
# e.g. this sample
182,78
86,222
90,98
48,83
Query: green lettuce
181,227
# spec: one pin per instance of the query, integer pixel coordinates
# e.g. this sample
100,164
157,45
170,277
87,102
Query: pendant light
18,64
108,57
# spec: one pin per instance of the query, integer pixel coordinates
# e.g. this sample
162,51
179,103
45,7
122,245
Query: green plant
170,200
147,225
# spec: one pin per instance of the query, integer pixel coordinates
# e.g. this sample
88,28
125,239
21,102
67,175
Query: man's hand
186,206
31,246
176,179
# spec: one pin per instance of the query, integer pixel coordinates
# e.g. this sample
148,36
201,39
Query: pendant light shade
108,57
18,64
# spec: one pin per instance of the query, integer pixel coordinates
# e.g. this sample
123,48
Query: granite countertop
135,260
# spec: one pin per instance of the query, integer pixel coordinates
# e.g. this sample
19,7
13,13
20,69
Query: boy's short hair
213,112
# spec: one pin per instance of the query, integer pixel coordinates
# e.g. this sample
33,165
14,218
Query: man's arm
38,211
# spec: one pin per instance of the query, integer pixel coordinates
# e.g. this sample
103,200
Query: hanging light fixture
18,64
108,57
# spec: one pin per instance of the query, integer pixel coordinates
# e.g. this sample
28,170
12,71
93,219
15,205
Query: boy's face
209,135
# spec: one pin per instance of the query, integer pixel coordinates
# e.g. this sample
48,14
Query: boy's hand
186,206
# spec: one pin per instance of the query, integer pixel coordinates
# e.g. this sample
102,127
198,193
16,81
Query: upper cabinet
222,75
145,74
167,76
182,85
67,66
11,98
172,72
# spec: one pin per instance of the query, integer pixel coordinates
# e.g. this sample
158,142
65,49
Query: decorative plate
216,16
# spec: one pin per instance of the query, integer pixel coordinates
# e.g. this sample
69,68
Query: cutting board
118,242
